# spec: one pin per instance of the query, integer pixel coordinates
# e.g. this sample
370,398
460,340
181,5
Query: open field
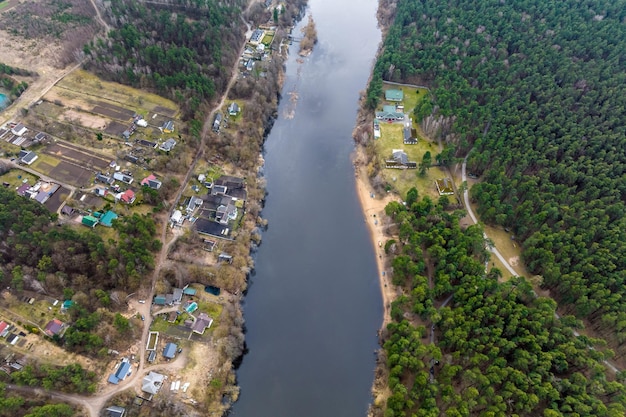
111,96
16,177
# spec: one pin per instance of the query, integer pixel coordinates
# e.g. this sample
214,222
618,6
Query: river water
314,305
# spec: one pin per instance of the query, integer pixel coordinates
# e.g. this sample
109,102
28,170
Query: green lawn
15,178
401,180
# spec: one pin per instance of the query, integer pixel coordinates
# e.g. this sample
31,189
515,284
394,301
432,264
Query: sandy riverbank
373,212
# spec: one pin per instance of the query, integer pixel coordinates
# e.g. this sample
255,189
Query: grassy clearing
159,325
16,177
412,95
40,312
45,163
88,84
403,180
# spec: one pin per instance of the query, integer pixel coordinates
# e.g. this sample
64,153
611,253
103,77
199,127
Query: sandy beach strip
373,212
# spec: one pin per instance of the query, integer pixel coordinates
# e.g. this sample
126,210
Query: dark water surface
314,304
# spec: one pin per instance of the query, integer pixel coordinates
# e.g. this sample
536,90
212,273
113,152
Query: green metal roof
89,221
394,95
107,218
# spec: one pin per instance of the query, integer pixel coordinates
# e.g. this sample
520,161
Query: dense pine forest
536,90
498,349
183,50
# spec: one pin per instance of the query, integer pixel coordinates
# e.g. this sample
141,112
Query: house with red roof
54,327
127,197
4,329
152,182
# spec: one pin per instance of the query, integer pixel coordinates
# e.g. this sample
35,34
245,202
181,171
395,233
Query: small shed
159,300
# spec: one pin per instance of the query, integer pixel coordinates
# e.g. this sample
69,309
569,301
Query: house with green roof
390,114
107,218
90,221
394,95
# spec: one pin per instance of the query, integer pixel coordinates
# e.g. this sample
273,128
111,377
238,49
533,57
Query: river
314,306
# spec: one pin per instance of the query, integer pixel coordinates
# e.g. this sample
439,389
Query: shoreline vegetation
309,38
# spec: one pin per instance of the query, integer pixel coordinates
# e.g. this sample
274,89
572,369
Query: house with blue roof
121,373
170,350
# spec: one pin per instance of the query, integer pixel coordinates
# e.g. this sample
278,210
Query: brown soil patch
84,119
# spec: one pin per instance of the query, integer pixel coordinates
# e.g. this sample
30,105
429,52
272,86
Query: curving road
468,207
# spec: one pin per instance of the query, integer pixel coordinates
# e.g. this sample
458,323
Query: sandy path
376,206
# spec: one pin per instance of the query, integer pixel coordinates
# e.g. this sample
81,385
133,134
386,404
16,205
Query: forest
11,405
535,92
498,349
181,50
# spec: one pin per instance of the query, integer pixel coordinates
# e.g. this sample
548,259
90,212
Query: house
172,316
389,114
127,197
152,356
4,329
217,122
177,218
169,351
115,411
159,299
147,143
67,304
123,177
104,179
219,189
107,218
168,126
152,382
90,221
28,157
193,203
19,129
394,95
257,36
189,291
100,191
250,65
400,160
203,322
54,327
168,145
226,213
131,158
141,122
445,186
152,182
177,295
211,228
67,210
21,191
169,299
123,370
233,109
409,136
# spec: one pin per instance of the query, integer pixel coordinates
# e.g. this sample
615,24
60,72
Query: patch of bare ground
46,38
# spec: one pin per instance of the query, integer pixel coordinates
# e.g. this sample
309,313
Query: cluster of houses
256,49
391,113
19,135
128,196
198,322
41,191
213,212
